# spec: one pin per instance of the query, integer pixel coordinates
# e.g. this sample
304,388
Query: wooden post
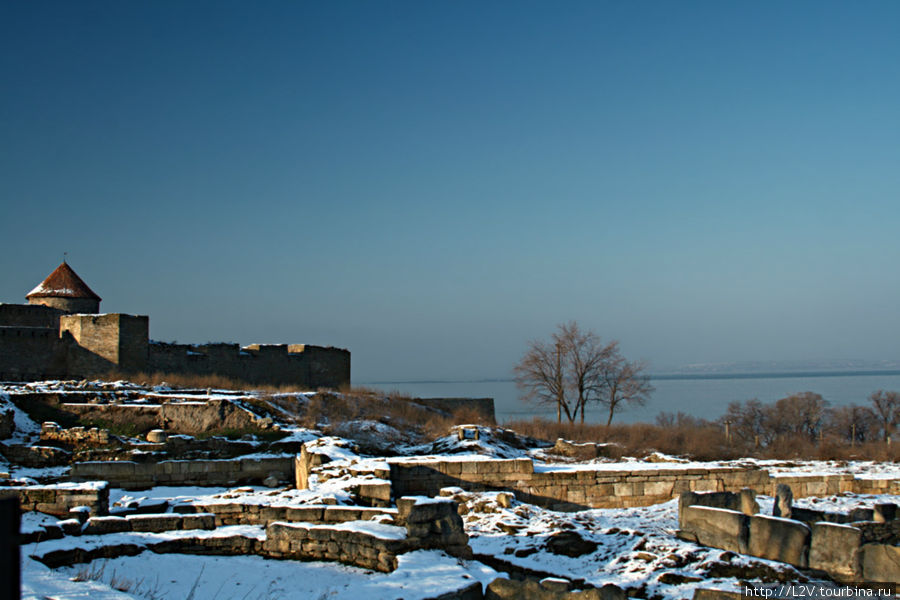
10,561
728,432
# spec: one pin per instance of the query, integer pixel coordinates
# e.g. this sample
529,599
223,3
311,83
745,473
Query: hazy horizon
433,185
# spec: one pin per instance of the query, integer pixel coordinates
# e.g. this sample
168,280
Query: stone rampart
29,315
135,475
28,353
304,365
59,499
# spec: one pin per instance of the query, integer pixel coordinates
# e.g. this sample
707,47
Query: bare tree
542,378
800,414
585,360
622,382
751,421
887,408
571,370
852,423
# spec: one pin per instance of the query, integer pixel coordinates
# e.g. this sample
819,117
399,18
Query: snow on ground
25,427
634,548
419,575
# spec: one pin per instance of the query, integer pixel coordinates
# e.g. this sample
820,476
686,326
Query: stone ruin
861,545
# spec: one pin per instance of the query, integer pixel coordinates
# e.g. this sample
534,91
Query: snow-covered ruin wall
59,499
603,485
134,475
837,544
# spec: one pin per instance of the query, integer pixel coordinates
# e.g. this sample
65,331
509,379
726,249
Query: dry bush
702,440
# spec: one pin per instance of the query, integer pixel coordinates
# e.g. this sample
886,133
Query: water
700,396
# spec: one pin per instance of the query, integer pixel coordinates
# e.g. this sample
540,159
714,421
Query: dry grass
703,441
191,381
395,409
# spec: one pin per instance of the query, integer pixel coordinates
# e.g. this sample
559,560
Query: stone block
716,527
103,525
308,514
780,539
881,562
784,501
834,549
339,514
155,523
198,521
524,465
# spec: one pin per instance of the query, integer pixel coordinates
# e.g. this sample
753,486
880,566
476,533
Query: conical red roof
63,283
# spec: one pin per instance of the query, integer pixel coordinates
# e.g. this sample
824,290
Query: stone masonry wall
118,339
298,364
52,432
568,489
58,499
133,475
28,353
29,315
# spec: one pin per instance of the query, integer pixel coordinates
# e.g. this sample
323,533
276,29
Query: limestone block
780,539
524,465
155,523
310,514
658,488
273,513
749,505
881,562
784,500
340,514
198,521
716,527
103,525
834,549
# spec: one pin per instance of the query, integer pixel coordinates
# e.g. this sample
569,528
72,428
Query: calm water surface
701,396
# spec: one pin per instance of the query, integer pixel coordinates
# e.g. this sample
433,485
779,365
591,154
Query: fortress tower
64,289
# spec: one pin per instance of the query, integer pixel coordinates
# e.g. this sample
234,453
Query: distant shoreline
680,376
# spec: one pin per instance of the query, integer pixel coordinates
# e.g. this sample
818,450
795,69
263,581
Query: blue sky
432,184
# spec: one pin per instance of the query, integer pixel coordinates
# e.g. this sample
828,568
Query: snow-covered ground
420,574
635,548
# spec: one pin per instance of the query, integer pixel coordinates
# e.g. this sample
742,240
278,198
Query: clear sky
432,184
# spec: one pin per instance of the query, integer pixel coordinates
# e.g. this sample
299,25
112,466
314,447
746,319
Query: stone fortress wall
40,341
